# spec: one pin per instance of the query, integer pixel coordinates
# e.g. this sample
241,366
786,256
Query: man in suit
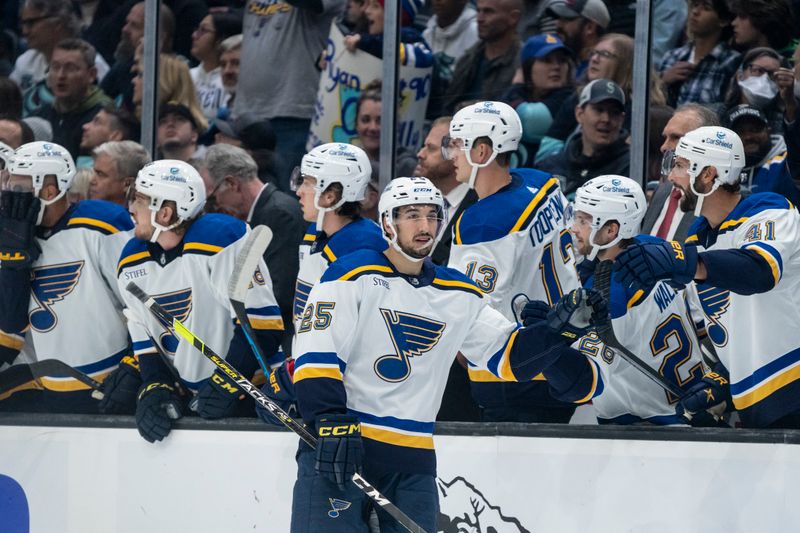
457,196
233,187
663,217
457,403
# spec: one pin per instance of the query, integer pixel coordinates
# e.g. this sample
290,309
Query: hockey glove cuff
340,452
711,394
280,389
641,265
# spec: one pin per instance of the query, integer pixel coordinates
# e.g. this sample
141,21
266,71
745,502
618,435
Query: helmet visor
451,146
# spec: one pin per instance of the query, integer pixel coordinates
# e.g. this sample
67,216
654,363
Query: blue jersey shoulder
509,210
213,231
451,279
359,234
133,253
756,203
99,215
354,265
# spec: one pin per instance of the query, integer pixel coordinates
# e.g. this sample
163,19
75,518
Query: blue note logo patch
412,336
49,285
337,506
715,303
179,305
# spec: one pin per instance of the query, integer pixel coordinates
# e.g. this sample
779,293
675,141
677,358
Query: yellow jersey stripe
71,385
773,264
593,388
484,376
93,222
459,284
692,238
505,366
356,271
637,296
202,247
733,223
768,387
132,258
267,323
457,232
31,385
11,341
309,237
329,253
544,191
397,439
312,372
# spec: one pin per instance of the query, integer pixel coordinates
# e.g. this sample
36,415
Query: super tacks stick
266,403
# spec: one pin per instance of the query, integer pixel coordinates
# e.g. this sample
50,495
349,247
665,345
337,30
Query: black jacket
68,125
282,214
574,169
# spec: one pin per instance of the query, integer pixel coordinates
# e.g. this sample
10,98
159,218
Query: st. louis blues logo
49,285
179,305
412,336
301,290
338,505
715,303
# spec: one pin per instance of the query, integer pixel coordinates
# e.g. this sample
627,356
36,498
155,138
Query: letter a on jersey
411,335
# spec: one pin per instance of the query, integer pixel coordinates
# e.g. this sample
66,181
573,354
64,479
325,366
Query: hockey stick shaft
264,401
602,283
244,269
18,375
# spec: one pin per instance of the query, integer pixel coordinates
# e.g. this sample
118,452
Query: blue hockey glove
217,397
18,214
339,448
571,316
534,311
157,407
121,387
712,394
280,389
641,265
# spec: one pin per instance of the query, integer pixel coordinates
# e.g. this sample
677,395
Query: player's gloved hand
121,387
158,405
280,389
641,265
571,316
534,311
339,448
712,394
217,397
18,214
600,318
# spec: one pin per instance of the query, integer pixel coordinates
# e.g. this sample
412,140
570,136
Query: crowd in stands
241,76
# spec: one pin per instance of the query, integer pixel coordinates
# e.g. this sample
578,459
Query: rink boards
534,478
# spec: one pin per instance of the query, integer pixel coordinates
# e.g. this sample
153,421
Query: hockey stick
243,270
264,401
602,283
19,375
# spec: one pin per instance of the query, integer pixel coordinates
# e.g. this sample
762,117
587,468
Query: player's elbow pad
573,377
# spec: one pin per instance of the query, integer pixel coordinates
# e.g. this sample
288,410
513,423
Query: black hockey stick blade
264,401
243,272
602,283
18,375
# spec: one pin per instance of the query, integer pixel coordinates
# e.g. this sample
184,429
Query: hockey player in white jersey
184,260
513,243
655,325
744,257
374,348
331,182
57,274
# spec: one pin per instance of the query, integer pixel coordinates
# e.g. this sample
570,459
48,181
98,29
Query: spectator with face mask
765,167
754,85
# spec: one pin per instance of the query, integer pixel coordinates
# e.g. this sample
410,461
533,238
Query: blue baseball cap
540,45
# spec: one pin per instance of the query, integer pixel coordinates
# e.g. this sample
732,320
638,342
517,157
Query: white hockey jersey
75,307
391,340
516,247
658,328
191,282
756,336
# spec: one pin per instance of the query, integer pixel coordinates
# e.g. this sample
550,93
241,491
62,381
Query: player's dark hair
773,18
503,159
350,210
731,188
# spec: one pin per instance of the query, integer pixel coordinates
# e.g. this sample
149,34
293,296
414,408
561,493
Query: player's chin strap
322,210
158,228
44,203
701,196
477,166
392,239
597,247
